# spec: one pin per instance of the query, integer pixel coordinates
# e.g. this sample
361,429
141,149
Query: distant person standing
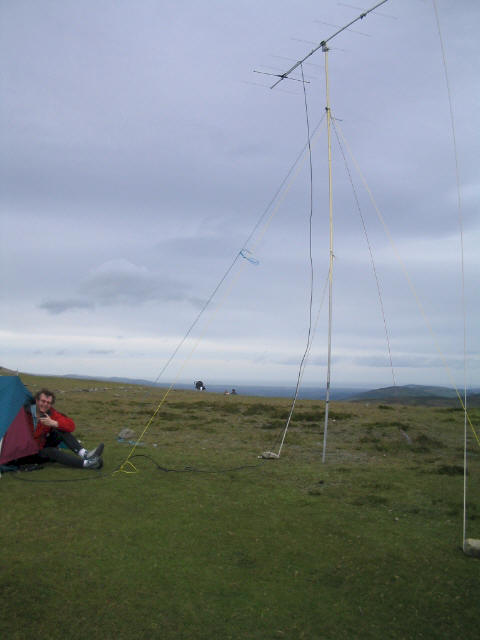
50,428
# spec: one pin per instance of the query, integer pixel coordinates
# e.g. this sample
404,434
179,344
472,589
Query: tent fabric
16,439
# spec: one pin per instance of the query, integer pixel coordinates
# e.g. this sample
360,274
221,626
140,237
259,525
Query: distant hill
7,372
310,393
410,394
414,394
116,379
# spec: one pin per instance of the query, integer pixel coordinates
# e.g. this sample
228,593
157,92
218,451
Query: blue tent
16,439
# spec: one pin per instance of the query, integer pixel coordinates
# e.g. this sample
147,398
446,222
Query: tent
16,439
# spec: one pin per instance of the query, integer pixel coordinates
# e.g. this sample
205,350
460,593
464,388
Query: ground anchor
471,547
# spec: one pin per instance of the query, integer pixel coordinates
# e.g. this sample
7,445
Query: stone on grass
472,547
126,434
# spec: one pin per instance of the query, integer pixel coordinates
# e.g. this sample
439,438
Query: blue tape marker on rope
249,257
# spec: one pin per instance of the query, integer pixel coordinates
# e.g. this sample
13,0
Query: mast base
471,547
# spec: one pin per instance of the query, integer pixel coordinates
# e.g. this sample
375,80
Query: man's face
43,403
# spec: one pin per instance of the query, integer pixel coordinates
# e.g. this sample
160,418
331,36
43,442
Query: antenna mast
330,270
283,76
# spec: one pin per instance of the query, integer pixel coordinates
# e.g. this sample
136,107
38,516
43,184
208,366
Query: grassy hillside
421,395
367,545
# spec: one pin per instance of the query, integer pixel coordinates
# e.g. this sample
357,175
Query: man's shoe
93,463
94,453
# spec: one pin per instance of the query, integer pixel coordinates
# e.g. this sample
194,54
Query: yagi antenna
266,73
312,42
310,64
273,69
329,24
323,44
351,6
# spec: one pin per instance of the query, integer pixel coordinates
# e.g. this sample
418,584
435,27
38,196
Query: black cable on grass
102,475
193,470
97,476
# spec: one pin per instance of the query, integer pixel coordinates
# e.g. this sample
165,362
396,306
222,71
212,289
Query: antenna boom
323,43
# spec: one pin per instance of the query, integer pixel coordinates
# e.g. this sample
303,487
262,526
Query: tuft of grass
425,440
273,424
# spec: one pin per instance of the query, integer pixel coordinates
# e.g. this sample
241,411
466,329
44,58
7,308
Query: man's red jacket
40,433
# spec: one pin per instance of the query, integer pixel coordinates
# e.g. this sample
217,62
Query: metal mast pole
284,76
330,272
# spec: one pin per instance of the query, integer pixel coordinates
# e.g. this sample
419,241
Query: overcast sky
141,147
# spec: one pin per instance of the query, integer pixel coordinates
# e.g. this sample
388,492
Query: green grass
367,545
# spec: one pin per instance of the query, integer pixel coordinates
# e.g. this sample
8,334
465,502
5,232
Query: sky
142,146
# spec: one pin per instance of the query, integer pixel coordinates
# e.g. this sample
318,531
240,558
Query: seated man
50,428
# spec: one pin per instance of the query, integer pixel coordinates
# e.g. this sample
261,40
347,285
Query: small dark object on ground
450,470
30,467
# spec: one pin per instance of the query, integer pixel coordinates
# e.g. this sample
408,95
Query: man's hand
48,422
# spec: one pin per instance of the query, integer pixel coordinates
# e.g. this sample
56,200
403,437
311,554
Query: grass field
367,545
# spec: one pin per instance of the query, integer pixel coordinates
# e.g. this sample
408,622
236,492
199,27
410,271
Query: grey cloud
56,307
120,282
409,361
101,352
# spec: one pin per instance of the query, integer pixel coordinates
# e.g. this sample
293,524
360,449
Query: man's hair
45,392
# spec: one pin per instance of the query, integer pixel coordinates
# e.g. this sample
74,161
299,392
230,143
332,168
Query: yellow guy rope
410,283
